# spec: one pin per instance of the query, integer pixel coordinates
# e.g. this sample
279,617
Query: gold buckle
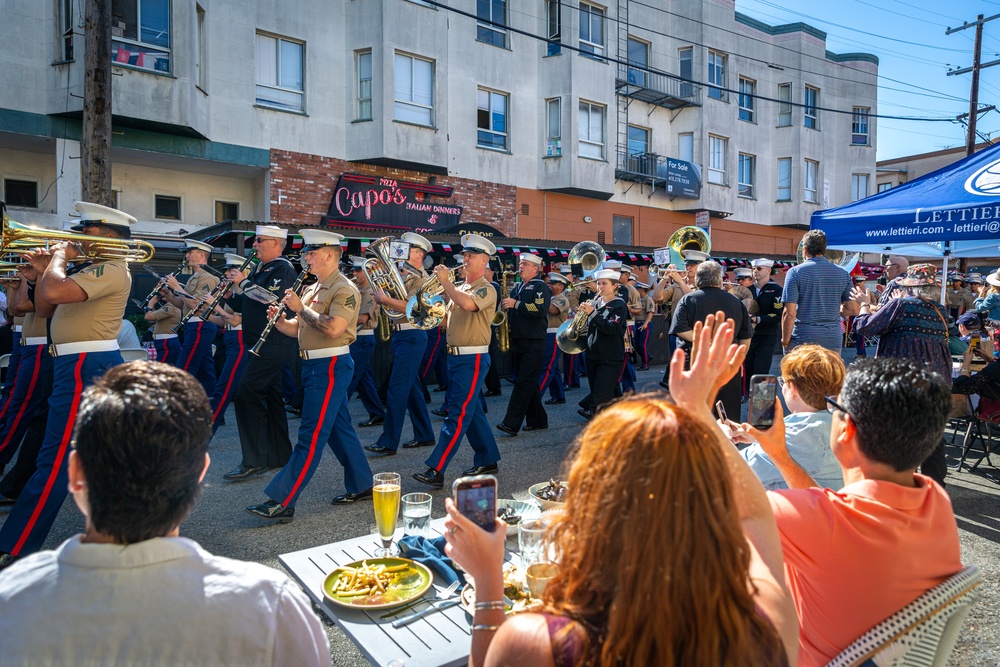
453,350
52,350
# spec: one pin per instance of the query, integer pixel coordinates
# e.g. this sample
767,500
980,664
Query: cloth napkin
430,553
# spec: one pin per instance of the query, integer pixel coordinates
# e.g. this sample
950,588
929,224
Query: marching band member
668,292
196,347
634,305
326,320
224,315
85,305
574,365
607,318
741,290
164,317
766,320
492,385
470,313
362,349
405,393
645,329
558,310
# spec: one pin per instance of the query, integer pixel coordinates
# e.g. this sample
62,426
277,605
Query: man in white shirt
130,590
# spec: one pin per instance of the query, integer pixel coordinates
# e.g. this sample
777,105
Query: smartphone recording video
476,499
763,392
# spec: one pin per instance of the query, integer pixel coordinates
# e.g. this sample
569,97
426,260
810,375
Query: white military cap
641,285
317,238
565,268
743,273
976,278
626,269
479,244
234,260
763,261
272,232
612,264
458,257
534,259
607,274
416,239
557,278
197,245
95,215
694,256
358,262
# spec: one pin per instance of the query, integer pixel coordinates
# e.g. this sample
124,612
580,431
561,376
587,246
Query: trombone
19,239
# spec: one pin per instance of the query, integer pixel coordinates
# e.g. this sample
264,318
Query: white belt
62,349
164,336
468,349
552,330
366,332
631,323
17,328
194,318
234,327
34,340
406,326
325,353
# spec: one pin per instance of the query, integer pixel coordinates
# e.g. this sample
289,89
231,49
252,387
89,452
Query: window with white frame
140,34
591,29
363,65
65,23
553,26
494,32
638,54
685,59
747,89
810,107
784,105
553,127
809,180
859,126
280,80
717,159
685,146
746,175
491,119
414,90
859,186
882,187
639,160
784,179
591,130
717,75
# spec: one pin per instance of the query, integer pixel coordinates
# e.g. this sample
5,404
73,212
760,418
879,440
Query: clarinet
216,294
296,287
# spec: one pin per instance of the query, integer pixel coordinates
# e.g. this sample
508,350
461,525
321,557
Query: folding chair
979,427
921,634
134,354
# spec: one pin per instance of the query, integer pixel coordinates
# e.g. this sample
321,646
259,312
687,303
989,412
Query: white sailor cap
612,264
190,244
743,273
358,263
313,239
234,261
95,215
557,278
641,285
416,239
533,259
762,261
479,244
694,256
626,269
607,274
565,268
272,232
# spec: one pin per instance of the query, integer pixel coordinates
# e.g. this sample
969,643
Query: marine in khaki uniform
164,317
741,290
326,319
550,377
667,293
470,313
198,334
362,349
645,327
231,322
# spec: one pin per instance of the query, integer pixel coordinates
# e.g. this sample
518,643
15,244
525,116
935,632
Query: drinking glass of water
531,541
417,514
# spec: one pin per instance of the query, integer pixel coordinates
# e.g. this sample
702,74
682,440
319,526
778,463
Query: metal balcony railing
656,88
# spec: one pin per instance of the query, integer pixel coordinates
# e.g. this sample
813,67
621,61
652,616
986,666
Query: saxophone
503,326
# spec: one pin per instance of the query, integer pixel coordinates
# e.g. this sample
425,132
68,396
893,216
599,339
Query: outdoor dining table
440,639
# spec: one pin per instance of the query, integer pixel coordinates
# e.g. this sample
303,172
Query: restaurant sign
389,203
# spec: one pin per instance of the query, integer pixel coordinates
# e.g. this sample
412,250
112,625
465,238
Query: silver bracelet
486,628
490,604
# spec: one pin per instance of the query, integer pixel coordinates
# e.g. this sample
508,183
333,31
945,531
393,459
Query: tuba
845,260
382,273
426,309
689,238
589,256
18,239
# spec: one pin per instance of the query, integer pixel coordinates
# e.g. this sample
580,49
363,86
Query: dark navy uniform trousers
196,353
363,380
168,350
27,395
550,376
229,378
8,382
405,392
465,414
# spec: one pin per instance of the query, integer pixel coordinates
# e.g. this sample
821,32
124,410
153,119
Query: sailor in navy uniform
767,320
225,316
607,319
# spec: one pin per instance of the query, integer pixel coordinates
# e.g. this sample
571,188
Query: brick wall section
307,183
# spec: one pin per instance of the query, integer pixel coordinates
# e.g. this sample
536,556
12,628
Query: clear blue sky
908,36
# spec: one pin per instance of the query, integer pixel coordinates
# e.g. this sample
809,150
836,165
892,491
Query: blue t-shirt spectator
807,435
817,287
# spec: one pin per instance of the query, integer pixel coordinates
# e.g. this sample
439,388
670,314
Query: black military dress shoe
440,412
430,477
527,429
497,392
419,443
586,414
349,498
379,449
506,429
481,470
7,502
272,511
555,401
372,421
243,471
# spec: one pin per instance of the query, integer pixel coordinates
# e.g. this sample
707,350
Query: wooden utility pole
970,144
96,144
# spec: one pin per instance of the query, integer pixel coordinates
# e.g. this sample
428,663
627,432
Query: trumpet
426,309
589,284
296,288
19,239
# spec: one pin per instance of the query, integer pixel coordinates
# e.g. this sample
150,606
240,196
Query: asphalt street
221,526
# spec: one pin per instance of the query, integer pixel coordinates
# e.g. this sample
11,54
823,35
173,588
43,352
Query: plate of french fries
377,583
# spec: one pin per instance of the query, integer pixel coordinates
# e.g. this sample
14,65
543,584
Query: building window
716,160
638,140
784,105
859,186
746,175
20,193
414,90
553,23
167,208
494,32
491,120
363,65
591,29
859,126
553,127
639,160
747,89
809,107
279,73
638,54
784,179
809,192
65,24
717,75
621,230
140,34
591,130
685,58
882,187
226,210
685,146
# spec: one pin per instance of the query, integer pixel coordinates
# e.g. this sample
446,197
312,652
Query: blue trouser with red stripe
363,379
27,395
642,345
168,350
465,414
627,378
196,353
31,518
8,382
550,376
229,380
434,357
325,419
405,392
575,367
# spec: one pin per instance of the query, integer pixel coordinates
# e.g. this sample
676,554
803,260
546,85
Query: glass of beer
385,496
